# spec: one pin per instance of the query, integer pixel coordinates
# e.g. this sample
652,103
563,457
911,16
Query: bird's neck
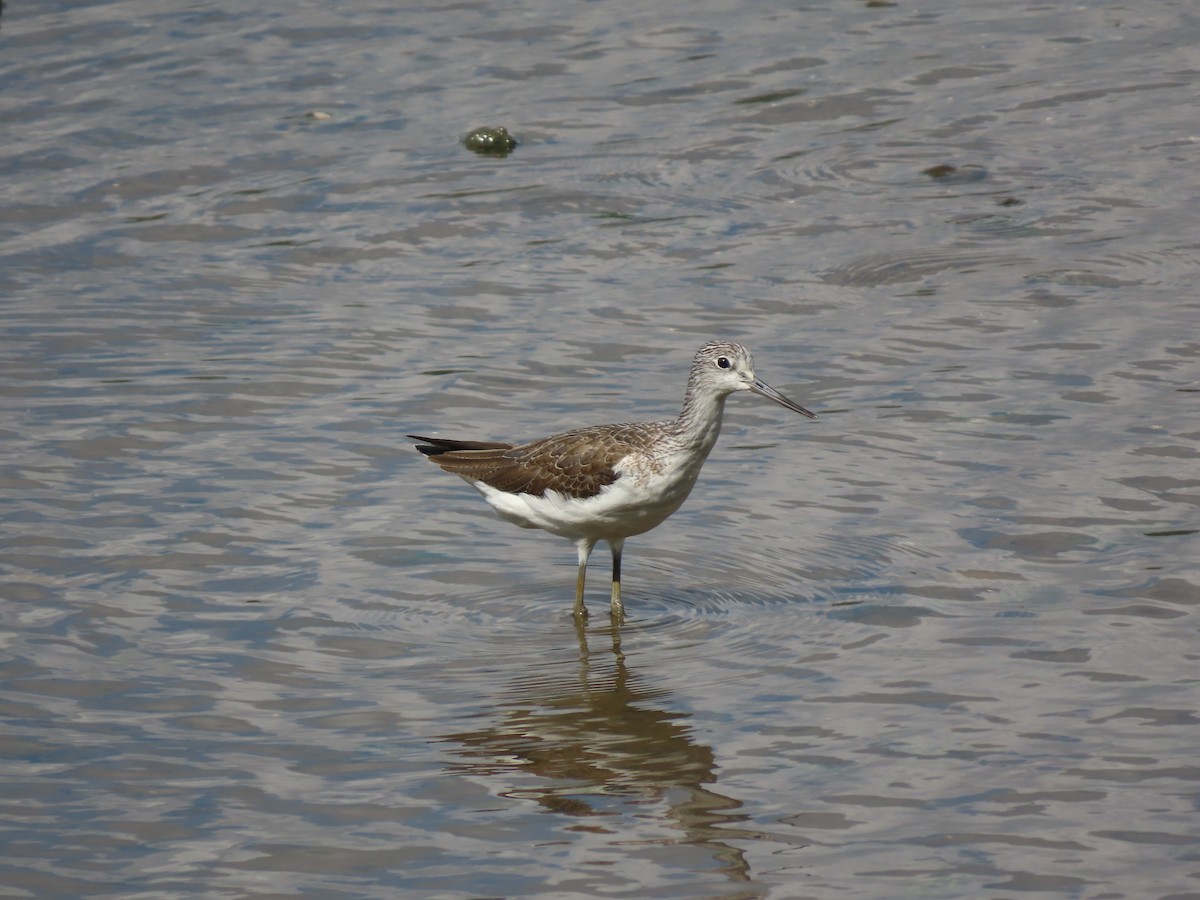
699,421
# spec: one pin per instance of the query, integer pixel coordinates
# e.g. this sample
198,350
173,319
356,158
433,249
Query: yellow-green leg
584,546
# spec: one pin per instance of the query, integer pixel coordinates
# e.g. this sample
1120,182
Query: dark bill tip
765,390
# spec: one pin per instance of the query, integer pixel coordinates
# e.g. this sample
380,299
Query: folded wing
577,464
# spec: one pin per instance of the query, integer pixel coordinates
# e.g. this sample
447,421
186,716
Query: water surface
940,643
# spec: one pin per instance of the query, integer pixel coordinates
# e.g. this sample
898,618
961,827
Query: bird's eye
723,362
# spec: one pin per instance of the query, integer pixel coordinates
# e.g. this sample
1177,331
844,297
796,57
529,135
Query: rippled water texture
940,643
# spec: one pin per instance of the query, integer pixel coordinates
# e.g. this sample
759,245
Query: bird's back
577,464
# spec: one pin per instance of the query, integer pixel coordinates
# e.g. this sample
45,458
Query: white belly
636,502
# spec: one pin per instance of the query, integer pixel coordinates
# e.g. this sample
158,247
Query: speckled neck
699,421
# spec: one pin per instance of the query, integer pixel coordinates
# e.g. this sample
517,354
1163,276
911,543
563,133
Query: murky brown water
941,643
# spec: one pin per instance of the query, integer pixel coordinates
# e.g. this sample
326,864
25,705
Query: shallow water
940,643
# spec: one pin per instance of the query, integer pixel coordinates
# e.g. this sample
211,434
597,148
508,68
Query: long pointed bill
765,390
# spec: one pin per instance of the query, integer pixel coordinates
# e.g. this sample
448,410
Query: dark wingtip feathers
437,446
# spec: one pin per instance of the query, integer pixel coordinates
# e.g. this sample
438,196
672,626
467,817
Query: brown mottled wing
577,463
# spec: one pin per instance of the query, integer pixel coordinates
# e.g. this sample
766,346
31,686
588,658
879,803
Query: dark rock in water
945,170
490,141
959,174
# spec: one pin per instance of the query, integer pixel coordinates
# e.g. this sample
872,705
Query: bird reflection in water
609,737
